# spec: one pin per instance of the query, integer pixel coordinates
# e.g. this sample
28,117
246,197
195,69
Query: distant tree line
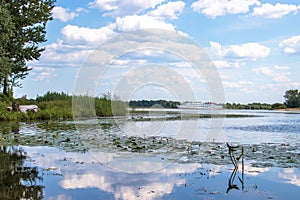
291,100
249,106
52,96
151,103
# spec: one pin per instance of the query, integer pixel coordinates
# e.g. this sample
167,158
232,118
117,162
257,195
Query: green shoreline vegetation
58,106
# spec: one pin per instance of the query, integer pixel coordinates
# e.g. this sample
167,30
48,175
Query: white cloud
277,67
42,73
153,19
169,10
277,73
126,63
63,14
238,84
291,45
60,197
77,42
77,34
247,51
214,8
61,54
124,7
228,64
78,10
274,11
106,5
182,64
135,22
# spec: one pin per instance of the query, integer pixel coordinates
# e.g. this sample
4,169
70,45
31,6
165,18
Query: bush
278,106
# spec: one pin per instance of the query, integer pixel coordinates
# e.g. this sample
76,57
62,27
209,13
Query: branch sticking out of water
235,159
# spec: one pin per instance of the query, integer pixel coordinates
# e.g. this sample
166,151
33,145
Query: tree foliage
249,106
292,98
7,28
23,28
151,103
52,96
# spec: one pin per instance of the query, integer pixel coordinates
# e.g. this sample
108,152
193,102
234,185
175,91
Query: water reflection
10,127
81,176
291,176
16,180
52,164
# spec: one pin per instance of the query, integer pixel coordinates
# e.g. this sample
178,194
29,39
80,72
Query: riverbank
60,106
288,109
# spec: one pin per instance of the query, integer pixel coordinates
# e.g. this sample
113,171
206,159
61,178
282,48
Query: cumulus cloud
62,54
42,73
247,51
228,64
291,45
238,84
181,64
214,8
77,34
277,73
135,22
153,19
64,14
78,42
170,10
106,5
123,7
274,11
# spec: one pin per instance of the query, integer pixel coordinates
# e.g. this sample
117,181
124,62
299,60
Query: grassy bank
57,106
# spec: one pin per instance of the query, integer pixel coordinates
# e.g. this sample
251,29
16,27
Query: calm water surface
153,156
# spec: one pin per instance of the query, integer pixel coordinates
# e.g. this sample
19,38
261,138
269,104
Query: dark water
88,160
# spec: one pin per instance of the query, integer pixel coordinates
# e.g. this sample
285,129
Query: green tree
292,98
7,28
278,106
24,25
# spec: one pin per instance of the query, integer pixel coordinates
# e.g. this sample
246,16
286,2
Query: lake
154,154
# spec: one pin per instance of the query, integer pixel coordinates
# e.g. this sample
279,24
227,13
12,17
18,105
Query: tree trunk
5,85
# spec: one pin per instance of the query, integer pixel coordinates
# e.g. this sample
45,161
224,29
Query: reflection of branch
230,181
17,181
235,161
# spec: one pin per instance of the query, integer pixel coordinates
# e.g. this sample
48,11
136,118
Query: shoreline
288,109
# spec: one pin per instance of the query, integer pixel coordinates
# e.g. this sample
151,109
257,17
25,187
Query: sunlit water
249,127
69,160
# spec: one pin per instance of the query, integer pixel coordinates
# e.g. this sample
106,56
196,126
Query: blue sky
254,44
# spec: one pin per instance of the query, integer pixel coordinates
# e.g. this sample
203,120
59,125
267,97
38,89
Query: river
160,154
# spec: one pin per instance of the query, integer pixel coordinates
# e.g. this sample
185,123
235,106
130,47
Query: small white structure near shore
28,108
25,108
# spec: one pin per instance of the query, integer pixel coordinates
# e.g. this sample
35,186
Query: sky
253,44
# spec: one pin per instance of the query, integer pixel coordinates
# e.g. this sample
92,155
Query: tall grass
62,106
